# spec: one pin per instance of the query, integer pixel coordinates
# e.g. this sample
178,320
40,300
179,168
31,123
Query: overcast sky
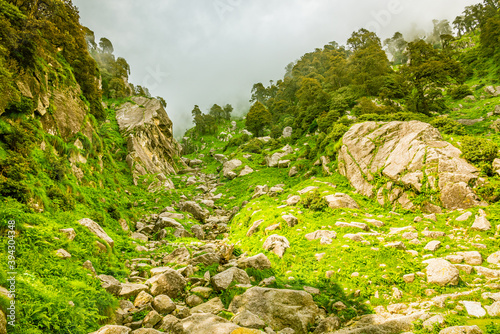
213,51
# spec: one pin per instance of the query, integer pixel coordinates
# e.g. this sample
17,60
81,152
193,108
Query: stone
198,232
88,265
150,142
463,217
403,151
397,245
287,132
97,230
179,256
63,254
441,272
110,284
170,283
249,320
321,234
473,258
278,308
474,309
293,200
254,228
375,222
259,262
213,306
432,321
69,232
375,324
245,171
433,246
273,160
293,171
410,278
163,304
494,258
139,236
206,259
487,272
207,324
340,200
151,319
123,225
204,292
131,290
195,209
171,325
142,299
193,301
462,330
260,191
494,309
112,329
284,163
276,244
146,331
223,280
229,166
327,325
290,220
361,226
481,224
433,234
3,323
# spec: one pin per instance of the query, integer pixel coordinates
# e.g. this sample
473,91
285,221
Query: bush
459,92
253,146
448,126
480,152
314,201
326,121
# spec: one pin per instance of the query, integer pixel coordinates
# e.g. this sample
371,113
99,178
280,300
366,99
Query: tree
196,112
396,47
106,45
257,119
228,109
217,112
259,93
427,71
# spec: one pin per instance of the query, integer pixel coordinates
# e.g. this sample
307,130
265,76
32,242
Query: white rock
474,309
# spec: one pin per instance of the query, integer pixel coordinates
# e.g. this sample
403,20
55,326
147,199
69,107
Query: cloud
213,51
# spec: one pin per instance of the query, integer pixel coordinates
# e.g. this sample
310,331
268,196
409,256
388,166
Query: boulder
293,200
171,325
129,290
290,220
249,320
441,272
474,309
97,230
150,142
494,258
163,304
110,284
259,262
340,200
69,232
142,299
373,324
254,228
402,152
494,309
223,280
111,329
179,256
246,170
195,209
170,283
229,166
327,325
276,244
481,224
273,160
3,323
213,306
278,308
63,254
321,234
206,259
207,323
461,330
287,132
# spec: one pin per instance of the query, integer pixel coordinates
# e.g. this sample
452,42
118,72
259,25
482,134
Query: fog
213,51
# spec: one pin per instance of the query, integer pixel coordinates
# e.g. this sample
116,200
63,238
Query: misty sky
213,51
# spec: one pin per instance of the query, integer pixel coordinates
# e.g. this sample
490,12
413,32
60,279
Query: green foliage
479,152
257,119
314,201
492,328
448,126
459,92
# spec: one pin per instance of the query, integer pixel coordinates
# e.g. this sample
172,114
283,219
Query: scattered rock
207,324
481,224
474,309
249,320
290,220
441,272
163,304
97,230
170,283
276,244
433,246
111,329
341,200
213,306
321,234
462,330
223,280
259,262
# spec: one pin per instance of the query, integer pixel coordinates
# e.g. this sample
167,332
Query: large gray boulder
441,272
207,323
403,152
259,262
276,244
229,166
111,329
150,142
278,308
274,159
223,280
371,324
97,230
170,283
195,209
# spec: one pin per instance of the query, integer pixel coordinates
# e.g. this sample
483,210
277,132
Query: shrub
253,146
314,201
326,121
448,126
459,92
480,152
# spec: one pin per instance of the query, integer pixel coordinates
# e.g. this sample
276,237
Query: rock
259,262
223,280
179,256
321,234
206,259
171,325
361,226
293,171
142,299
494,258
433,246
245,171
494,309
249,320
63,254
195,163
284,163
3,323
272,161
327,325
139,236
230,166
474,309
462,330
170,283
287,132
260,191
69,232
340,200
195,209
94,228
151,145
290,220
88,265
441,272
207,324
410,278
379,325
397,245
463,217
220,158
432,321
488,273
146,331
276,244
111,329
254,228
151,319
492,90
473,258
293,200
163,304
198,232
375,222
213,306
193,301
129,290
403,151
481,224
110,284
278,308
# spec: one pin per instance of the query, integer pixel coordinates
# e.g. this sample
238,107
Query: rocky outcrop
407,155
151,145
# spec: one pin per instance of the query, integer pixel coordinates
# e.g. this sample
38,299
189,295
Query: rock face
150,143
278,308
410,155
